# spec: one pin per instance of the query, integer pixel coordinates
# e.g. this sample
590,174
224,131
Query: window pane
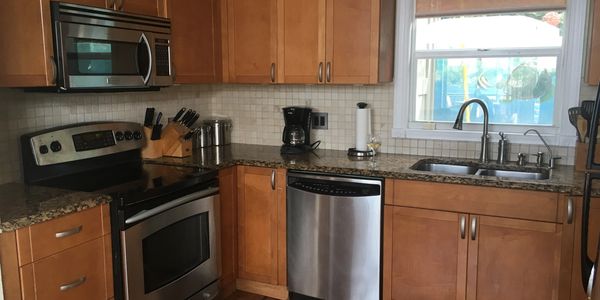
517,90
515,30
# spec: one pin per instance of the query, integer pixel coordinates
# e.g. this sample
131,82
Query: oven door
173,254
104,57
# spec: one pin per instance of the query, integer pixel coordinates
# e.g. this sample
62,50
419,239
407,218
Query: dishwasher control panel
334,188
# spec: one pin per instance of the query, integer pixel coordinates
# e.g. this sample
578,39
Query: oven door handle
179,201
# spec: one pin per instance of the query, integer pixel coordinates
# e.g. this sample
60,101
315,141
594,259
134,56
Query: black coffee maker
296,133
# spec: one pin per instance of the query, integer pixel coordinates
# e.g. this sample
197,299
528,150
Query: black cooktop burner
132,183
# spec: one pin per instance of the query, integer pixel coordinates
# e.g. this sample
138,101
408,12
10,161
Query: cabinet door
26,44
143,7
257,225
352,41
593,66
516,259
196,41
303,42
252,40
428,254
227,198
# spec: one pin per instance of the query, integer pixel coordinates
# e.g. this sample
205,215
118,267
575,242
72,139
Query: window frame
568,83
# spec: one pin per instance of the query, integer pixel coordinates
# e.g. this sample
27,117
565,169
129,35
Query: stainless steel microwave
100,49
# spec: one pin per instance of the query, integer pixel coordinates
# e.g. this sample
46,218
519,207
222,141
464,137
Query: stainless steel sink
445,168
470,168
530,175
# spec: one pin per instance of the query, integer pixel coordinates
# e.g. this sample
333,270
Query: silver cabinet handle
328,72
570,210
54,69
273,72
69,232
73,284
463,226
273,179
474,228
320,75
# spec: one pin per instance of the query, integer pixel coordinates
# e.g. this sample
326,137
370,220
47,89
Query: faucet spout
552,158
483,156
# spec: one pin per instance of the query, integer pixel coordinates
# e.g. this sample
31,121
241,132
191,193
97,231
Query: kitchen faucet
552,160
483,156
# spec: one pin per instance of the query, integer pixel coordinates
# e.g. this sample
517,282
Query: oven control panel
84,140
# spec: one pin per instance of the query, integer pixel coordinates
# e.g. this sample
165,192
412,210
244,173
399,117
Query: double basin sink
472,168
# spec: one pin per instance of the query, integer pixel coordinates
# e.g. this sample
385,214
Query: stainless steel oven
102,49
174,247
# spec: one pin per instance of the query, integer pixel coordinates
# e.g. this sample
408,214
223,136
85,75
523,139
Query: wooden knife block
173,144
581,152
152,149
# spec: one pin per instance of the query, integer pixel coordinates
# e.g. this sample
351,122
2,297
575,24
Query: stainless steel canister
202,137
220,131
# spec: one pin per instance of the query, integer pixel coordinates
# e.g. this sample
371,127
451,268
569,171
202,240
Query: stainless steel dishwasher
333,237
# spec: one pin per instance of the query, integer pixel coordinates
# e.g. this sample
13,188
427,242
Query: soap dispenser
502,149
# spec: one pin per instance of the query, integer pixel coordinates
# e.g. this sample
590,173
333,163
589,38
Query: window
517,62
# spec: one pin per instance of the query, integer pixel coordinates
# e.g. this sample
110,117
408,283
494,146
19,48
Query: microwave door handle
144,40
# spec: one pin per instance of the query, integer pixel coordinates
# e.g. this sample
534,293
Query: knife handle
179,114
158,118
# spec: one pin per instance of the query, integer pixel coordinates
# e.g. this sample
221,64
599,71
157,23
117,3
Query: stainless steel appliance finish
334,236
73,143
202,137
186,282
99,49
220,131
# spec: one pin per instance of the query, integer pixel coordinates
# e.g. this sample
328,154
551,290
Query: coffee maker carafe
296,133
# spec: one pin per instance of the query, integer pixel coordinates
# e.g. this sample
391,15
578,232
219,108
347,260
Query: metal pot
202,137
220,131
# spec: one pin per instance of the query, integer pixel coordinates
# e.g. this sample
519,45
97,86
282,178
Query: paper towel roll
363,128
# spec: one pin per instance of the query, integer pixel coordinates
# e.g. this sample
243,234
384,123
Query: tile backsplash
254,109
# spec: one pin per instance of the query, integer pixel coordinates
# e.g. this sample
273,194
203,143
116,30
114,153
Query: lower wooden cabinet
432,253
65,258
261,228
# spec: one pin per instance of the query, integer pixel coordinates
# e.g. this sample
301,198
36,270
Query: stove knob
43,149
137,135
55,146
128,135
119,136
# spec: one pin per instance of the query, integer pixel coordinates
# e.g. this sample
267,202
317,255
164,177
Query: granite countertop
562,179
22,205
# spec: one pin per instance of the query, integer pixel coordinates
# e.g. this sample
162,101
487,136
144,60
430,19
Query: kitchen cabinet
593,64
252,41
196,41
445,241
33,258
261,231
95,3
228,209
337,41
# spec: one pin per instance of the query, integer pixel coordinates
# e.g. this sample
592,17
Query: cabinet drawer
44,239
519,204
77,273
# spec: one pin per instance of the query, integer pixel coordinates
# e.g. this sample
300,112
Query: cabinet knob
328,72
463,226
473,228
320,74
273,179
73,284
570,210
273,72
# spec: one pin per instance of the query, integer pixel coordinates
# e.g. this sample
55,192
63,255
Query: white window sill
475,136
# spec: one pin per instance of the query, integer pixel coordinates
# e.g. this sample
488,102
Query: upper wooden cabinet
312,41
196,41
593,65
252,41
441,244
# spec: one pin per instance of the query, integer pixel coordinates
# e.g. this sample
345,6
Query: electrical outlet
319,120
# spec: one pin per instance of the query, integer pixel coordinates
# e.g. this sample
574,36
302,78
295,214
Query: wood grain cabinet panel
261,231
252,40
77,273
446,252
196,41
143,7
228,200
95,3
